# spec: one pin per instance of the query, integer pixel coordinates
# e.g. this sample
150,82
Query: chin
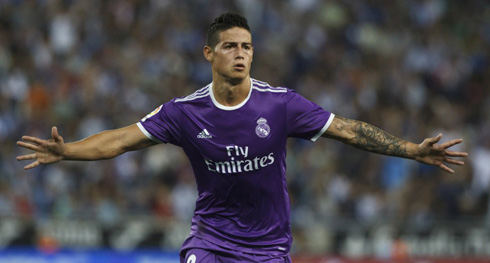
238,75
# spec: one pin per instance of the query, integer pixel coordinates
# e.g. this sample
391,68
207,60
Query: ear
208,53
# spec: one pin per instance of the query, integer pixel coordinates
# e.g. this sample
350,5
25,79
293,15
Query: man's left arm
370,138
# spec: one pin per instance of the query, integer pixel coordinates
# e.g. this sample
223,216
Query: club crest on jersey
262,130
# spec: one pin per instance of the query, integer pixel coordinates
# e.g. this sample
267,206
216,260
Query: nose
239,52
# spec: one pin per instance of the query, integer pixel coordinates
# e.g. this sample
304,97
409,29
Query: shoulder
264,87
283,94
196,96
175,106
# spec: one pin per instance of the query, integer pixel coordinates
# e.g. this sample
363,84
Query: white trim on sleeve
320,133
147,134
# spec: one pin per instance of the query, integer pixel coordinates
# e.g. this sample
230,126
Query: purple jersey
238,155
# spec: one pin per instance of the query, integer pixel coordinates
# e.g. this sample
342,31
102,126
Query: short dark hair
223,22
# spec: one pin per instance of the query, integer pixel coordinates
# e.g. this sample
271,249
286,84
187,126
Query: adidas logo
204,135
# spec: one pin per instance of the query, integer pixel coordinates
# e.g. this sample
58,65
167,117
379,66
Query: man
234,132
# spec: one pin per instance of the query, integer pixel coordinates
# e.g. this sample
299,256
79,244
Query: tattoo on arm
370,138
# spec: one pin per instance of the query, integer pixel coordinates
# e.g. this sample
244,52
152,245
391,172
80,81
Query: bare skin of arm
373,139
104,145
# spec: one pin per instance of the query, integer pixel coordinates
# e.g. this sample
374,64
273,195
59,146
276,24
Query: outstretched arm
104,145
370,138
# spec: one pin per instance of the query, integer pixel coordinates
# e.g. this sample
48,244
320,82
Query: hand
45,151
437,154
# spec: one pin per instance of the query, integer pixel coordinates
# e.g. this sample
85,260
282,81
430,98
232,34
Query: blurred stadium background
414,68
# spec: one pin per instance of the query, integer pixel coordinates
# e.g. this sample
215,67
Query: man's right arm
104,145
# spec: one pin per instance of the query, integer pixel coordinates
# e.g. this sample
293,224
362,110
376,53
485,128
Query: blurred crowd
415,68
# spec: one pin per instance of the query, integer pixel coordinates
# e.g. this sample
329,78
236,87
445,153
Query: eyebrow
233,42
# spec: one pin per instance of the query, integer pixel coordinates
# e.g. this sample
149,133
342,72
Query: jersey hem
322,131
147,134
198,241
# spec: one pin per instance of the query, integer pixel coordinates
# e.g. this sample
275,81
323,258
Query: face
232,57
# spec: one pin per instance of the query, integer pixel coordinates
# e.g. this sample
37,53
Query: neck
231,93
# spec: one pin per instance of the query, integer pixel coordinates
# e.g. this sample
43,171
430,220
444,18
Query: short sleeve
162,124
305,119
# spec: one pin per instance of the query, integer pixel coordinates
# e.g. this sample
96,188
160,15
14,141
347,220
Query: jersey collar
229,108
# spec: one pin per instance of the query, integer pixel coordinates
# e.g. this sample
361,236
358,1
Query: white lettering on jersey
237,150
238,166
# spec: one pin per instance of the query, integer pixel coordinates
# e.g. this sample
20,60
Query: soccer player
234,132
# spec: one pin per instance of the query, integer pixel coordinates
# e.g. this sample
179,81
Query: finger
28,146
55,135
26,157
33,139
456,154
451,143
452,161
32,165
445,168
434,140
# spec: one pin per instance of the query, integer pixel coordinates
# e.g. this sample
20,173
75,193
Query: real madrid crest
262,130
